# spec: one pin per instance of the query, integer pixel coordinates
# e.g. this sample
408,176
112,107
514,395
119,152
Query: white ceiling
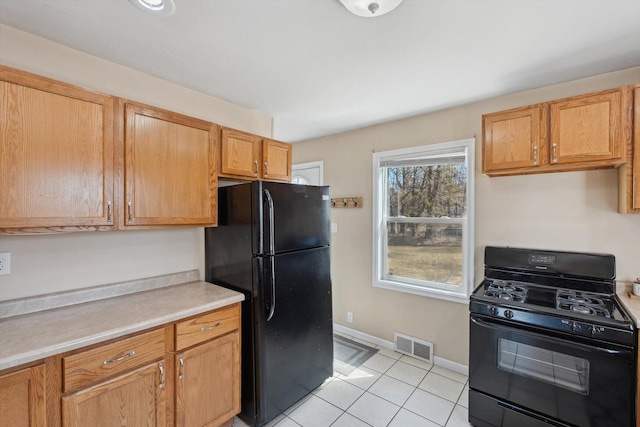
318,70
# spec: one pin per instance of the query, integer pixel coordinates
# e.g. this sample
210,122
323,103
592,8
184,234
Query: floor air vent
415,348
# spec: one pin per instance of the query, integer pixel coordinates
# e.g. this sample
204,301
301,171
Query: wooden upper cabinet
276,161
586,128
22,398
56,155
578,133
169,163
247,156
514,139
629,177
635,159
240,154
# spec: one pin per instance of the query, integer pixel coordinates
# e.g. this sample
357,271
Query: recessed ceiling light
156,7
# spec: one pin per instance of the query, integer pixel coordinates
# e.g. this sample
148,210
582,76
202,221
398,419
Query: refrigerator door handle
272,246
272,309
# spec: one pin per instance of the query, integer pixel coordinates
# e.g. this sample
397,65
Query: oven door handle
581,347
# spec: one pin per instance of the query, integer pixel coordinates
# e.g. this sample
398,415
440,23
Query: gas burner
582,303
506,291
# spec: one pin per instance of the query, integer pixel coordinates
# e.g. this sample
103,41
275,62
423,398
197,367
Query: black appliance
550,344
272,244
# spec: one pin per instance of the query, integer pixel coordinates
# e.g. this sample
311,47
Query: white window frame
443,291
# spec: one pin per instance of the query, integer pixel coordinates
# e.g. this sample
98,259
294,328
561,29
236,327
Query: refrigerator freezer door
296,344
300,216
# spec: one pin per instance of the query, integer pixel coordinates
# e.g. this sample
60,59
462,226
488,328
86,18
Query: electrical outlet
5,263
349,317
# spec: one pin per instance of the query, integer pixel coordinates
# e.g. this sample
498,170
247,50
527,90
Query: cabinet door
208,382
133,399
169,167
635,190
22,398
276,164
56,154
586,128
514,139
240,154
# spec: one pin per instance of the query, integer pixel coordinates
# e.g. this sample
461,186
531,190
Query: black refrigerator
272,244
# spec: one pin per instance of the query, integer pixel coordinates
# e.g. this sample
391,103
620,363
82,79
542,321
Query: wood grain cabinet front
208,382
56,155
170,169
251,157
629,178
578,133
136,398
276,161
22,396
207,368
514,139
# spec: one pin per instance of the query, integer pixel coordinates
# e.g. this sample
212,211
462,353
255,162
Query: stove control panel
570,326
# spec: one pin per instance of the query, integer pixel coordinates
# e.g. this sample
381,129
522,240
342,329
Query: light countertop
632,305
101,314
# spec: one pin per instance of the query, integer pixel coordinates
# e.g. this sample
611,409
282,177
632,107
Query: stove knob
508,314
595,330
575,327
493,311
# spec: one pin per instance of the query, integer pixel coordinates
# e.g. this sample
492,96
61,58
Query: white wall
57,262
574,211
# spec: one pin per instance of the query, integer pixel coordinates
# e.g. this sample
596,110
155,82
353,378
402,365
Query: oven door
548,376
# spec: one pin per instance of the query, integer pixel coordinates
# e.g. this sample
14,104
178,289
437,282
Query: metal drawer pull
266,169
535,155
555,156
256,164
181,372
117,359
109,209
161,368
208,328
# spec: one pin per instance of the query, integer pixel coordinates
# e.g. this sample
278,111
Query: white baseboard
445,363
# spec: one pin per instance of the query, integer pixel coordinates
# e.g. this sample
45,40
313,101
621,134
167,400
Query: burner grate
506,291
582,303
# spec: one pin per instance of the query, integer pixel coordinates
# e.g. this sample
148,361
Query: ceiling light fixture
370,8
156,7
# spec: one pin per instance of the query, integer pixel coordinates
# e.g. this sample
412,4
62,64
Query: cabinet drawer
207,326
87,367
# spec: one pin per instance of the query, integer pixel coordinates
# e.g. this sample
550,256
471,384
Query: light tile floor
388,390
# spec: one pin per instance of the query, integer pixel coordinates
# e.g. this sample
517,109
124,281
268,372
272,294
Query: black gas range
550,344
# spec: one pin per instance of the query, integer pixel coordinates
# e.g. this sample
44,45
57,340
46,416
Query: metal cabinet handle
117,359
109,212
208,328
255,173
535,155
555,157
181,372
266,169
161,368
130,206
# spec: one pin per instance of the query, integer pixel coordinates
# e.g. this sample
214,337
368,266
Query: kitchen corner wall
58,262
573,211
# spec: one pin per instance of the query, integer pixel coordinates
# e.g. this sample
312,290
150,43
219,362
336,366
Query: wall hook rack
346,202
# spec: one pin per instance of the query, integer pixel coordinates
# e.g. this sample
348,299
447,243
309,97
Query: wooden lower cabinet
208,382
133,399
22,398
186,373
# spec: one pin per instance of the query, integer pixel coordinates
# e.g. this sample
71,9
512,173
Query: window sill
458,297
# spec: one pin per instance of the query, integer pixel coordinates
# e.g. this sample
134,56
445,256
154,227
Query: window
423,220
